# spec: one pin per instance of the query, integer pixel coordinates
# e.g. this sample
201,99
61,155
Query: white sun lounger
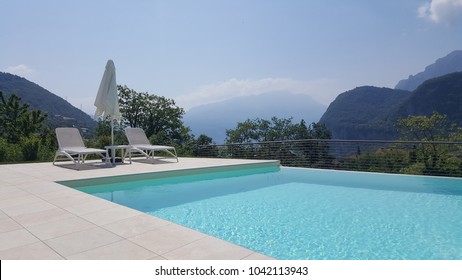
140,143
71,146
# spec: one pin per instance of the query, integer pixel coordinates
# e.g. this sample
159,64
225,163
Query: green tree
160,117
203,140
23,135
157,115
280,129
134,106
319,131
424,128
17,120
103,134
300,153
248,131
276,129
434,158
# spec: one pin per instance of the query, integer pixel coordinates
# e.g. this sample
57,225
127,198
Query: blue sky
201,51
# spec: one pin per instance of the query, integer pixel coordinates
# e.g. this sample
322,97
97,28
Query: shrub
30,148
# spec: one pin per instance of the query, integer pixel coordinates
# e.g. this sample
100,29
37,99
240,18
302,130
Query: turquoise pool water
295,213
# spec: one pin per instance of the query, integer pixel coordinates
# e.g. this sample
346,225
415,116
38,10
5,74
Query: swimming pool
297,213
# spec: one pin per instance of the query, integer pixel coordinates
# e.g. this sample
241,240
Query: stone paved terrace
41,219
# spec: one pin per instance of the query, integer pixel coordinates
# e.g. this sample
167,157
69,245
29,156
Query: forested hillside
442,95
363,113
59,111
372,113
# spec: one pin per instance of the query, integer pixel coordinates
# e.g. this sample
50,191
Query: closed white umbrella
107,99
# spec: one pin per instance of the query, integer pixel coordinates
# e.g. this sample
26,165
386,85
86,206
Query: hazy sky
201,51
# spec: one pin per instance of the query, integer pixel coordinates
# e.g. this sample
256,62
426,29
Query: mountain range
366,112
371,112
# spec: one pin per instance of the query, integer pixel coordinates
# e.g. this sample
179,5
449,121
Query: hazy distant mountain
213,119
60,112
362,113
448,64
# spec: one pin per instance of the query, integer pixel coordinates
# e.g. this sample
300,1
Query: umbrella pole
112,132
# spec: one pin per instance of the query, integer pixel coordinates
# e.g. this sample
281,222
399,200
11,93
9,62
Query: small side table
124,149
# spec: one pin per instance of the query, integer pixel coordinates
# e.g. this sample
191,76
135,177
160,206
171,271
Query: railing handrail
442,158
340,141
